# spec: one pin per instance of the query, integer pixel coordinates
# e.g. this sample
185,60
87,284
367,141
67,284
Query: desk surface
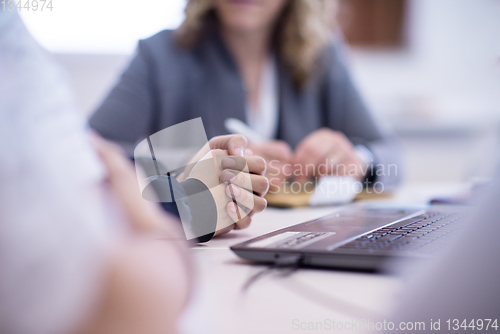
281,303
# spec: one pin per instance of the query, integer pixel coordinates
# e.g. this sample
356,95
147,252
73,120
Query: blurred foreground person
80,250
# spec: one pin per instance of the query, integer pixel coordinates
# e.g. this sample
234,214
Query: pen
237,127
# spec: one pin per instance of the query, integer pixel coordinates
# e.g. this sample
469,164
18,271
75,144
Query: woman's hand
233,144
330,152
278,156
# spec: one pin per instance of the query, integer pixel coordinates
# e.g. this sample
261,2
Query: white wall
448,76
93,39
442,92
92,75
101,26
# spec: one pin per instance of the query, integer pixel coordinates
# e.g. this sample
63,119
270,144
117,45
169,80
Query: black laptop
357,238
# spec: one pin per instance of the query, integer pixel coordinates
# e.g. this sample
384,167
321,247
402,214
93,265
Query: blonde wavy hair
302,32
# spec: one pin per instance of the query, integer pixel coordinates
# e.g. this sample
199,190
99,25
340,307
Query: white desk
272,303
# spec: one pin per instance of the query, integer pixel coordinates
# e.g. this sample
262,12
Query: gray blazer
166,84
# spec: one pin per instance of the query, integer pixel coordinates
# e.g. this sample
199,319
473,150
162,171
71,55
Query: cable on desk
284,266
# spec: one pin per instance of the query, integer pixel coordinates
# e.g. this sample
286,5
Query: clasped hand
323,152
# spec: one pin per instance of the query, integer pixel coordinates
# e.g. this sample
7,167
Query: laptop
357,238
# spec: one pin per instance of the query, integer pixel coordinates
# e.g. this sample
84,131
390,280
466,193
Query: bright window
101,26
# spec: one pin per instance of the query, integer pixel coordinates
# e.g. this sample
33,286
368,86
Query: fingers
281,151
259,205
334,164
256,183
242,186
244,198
313,150
273,150
330,152
243,223
225,229
234,144
112,157
234,162
235,212
348,164
120,173
239,223
278,157
254,164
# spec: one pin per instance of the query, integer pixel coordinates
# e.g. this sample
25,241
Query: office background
438,87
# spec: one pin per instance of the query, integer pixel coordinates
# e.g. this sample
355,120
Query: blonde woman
272,64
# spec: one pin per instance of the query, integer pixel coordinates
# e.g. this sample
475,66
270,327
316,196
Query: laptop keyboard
409,235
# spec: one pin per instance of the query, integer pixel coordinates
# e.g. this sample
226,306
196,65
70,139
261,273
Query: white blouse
264,118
